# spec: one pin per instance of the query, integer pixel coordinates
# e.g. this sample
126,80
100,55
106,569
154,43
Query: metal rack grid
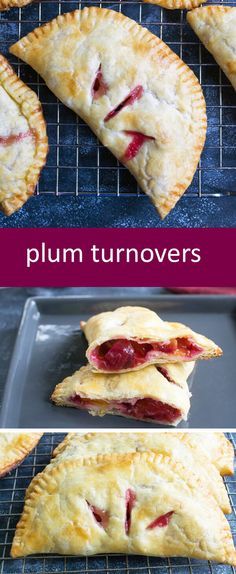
77,164
12,491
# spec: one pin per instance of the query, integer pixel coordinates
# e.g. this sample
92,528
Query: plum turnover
23,140
216,28
131,338
158,394
14,447
138,97
135,503
175,444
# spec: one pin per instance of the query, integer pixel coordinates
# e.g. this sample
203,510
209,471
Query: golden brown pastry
143,103
130,338
137,503
157,394
7,4
216,28
77,445
216,446
176,4
23,140
14,447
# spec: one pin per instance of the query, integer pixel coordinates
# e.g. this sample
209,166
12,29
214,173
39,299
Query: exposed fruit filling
135,94
140,409
14,138
99,87
101,516
137,141
120,354
130,499
161,521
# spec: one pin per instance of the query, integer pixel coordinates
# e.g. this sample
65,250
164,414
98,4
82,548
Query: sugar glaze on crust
138,97
94,514
216,28
14,447
77,445
23,140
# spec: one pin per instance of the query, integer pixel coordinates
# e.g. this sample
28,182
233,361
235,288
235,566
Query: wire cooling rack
77,164
12,491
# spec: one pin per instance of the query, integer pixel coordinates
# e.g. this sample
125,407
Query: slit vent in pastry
143,103
157,394
23,140
216,28
58,516
130,338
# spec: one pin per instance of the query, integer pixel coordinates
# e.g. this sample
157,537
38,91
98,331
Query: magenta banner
106,257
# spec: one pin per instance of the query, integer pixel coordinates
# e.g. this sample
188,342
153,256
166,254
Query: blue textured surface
12,490
78,166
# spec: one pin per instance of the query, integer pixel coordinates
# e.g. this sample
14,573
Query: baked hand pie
216,28
23,140
135,503
158,394
130,338
14,447
176,4
216,447
143,103
77,445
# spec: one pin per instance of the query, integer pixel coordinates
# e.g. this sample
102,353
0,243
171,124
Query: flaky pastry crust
216,446
23,140
62,504
177,4
14,447
7,4
106,388
77,445
138,97
216,28
141,324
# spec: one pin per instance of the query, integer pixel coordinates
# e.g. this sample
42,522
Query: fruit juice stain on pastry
162,521
23,140
150,494
134,95
131,80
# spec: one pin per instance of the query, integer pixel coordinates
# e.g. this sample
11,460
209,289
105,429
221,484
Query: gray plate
51,346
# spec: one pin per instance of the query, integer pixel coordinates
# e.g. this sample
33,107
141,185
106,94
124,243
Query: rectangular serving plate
50,346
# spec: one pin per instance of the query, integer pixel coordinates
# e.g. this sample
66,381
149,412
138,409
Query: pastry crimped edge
157,46
176,4
213,11
68,444
25,98
224,462
7,4
45,479
16,455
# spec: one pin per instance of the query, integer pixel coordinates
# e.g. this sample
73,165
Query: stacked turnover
138,367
